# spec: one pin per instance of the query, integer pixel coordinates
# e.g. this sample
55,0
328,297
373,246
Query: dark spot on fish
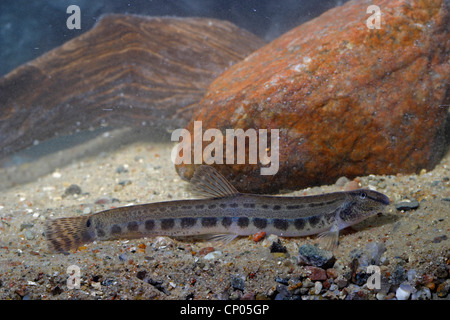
264,206
294,206
199,206
88,223
67,241
133,226
226,222
149,224
313,220
332,201
249,205
209,222
243,222
315,204
167,224
223,205
280,224
345,211
162,209
299,223
185,207
100,233
276,207
260,223
212,206
116,229
234,205
188,222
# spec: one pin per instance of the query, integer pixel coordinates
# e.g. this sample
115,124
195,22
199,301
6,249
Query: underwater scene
224,150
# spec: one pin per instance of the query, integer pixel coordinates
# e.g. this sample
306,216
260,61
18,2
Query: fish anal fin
208,182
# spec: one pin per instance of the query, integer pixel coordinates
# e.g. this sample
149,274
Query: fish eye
363,195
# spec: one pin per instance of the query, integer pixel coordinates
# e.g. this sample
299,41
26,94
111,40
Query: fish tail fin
64,234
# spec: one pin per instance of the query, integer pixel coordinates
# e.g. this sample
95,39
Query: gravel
410,247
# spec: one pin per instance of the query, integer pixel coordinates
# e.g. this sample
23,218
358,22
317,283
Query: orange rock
206,250
348,100
259,236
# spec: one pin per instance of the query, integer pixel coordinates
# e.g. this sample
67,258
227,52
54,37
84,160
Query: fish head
366,203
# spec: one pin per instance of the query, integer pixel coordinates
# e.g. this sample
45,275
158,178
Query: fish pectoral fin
207,182
329,240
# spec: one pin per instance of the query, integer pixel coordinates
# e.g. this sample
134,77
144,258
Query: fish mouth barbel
222,214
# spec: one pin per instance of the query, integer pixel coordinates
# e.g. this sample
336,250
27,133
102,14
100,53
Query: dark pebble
158,284
141,274
284,281
107,282
407,205
123,257
360,278
56,290
190,296
282,292
277,247
441,272
314,256
125,182
72,189
440,238
121,169
399,275
237,283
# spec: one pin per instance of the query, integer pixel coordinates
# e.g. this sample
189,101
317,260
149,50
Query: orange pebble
259,236
430,286
205,250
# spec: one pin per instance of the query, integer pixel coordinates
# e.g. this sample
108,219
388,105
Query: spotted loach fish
223,214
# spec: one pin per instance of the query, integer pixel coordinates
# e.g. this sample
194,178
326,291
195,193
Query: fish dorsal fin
207,182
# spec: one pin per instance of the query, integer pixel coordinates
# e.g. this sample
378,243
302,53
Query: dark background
31,28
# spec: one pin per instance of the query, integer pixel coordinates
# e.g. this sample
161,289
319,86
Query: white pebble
318,287
56,174
96,285
404,291
213,255
380,296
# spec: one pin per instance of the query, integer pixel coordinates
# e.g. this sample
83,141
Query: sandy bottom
416,242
